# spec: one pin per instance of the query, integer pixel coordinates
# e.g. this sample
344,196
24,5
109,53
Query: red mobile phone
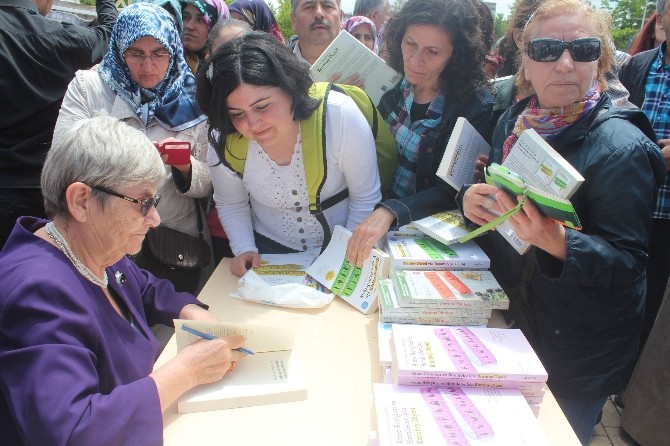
178,152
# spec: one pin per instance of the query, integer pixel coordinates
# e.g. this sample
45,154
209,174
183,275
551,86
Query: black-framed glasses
145,205
586,49
138,57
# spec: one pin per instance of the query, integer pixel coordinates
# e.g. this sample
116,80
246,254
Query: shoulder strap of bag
387,152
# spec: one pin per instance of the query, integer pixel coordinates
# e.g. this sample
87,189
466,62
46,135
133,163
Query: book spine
452,265
455,321
465,375
412,302
527,389
436,313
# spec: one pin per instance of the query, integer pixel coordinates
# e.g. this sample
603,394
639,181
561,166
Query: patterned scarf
172,101
551,122
259,16
212,10
354,22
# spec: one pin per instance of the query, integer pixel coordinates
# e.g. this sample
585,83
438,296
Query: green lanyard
493,223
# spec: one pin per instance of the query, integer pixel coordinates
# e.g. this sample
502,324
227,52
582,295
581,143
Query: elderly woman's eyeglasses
586,49
146,204
138,57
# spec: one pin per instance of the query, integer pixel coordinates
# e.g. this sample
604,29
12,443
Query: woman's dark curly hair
464,72
256,58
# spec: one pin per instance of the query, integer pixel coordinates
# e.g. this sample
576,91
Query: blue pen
209,337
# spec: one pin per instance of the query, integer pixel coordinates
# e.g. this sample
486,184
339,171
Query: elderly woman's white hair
99,151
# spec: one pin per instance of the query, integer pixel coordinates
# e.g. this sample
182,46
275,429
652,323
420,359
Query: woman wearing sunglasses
77,354
145,82
586,289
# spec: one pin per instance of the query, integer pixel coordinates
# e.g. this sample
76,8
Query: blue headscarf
172,101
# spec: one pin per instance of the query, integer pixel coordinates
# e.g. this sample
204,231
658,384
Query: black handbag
176,256
178,250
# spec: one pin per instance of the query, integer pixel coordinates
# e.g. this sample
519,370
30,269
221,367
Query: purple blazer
72,371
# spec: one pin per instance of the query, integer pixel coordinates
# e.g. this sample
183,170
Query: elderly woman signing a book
586,289
76,351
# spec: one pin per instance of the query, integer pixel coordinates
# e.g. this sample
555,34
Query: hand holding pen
209,337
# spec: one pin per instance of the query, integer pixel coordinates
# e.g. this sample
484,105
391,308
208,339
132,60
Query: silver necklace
64,246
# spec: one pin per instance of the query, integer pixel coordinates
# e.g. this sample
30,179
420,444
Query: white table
336,348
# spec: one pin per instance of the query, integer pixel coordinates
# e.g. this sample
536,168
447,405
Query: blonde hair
598,19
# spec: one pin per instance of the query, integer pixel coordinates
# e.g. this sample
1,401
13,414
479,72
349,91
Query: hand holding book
551,206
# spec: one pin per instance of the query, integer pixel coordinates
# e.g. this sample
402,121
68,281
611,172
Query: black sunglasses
146,205
549,50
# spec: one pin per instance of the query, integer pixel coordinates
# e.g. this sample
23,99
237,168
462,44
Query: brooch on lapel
120,277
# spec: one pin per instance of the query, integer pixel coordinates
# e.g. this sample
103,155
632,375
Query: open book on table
465,146
271,375
347,56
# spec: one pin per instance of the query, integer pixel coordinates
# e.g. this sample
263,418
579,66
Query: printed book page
446,226
465,146
426,253
454,416
541,166
257,338
347,56
278,269
494,354
270,375
356,285
449,289
263,378
389,306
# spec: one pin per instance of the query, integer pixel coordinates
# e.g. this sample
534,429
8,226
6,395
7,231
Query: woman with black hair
287,161
440,48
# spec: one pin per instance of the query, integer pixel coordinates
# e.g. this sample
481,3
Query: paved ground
608,432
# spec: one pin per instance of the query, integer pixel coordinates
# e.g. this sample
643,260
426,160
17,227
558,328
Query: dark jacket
432,194
647,398
588,310
38,59
633,74
503,90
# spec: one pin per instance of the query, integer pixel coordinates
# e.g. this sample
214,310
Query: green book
552,206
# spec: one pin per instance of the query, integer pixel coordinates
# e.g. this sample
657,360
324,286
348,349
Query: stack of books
454,416
495,358
435,280
458,385
419,251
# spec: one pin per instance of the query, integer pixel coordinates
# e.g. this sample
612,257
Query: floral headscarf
212,10
358,20
172,101
551,122
259,16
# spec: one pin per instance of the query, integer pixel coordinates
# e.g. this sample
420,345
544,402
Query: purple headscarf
358,20
259,16
211,10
